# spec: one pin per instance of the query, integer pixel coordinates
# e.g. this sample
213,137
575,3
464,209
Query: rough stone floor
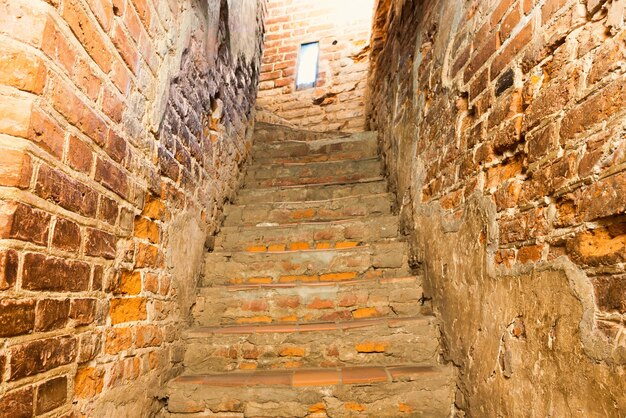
308,307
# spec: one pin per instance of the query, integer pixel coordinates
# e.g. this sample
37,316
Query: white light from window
307,65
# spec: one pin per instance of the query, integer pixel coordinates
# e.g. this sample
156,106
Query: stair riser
355,148
308,212
414,343
366,299
295,194
431,397
314,235
333,172
243,267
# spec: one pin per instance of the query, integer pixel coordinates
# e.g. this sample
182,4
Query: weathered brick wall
502,125
123,128
338,100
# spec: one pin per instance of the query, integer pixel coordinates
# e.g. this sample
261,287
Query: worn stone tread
314,377
200,332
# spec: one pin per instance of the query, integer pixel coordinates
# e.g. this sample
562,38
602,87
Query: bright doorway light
308,65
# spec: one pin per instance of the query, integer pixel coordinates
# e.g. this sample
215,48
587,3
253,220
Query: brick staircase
308,307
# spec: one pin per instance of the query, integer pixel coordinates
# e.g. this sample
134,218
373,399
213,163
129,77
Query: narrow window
307,65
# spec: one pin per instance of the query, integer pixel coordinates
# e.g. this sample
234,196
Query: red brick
51,395
38,356
66,235
510,51
51,314
610,293
103,10
56,46
46,133
112,177
80,155
88,35
112,105
100,243
55,274
55,186
115,147
21,222
126,49
78,113
18,403
550,8
87,80
596,109
83,311
17,317
108,210
8,269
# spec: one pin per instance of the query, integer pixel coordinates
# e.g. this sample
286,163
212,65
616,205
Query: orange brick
256,249
365,313
21,70
149,336
260,280
318,303
129,283
276,247
146,229
247,366
323,245
303,214
117,340
127,310
404,408
338,277
371,347
255,320
346,244
317,408
88,382
15,168
292,364
292,352
353,406
298,246
304,278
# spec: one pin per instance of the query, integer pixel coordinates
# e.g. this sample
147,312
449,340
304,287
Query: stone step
314,345
334,234
354,147
304,302
270,133
274,175
381,392
322,210
386,259
300,193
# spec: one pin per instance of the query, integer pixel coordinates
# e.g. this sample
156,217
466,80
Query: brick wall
506,118
123,128
343,30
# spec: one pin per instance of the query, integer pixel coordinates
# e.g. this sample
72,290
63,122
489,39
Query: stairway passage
308,307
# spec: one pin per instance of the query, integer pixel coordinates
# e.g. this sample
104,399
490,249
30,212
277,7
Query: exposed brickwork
521,103
117,119
338,100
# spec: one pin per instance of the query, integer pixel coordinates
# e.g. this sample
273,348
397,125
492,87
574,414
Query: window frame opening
311,71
